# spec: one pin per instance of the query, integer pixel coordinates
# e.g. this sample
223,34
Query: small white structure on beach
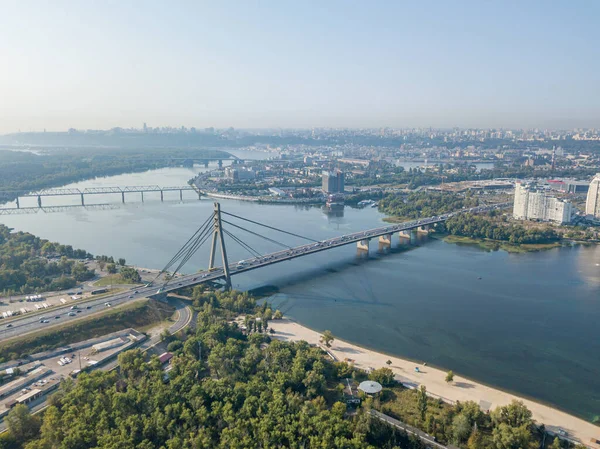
370,387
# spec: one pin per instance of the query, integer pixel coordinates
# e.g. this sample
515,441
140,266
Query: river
527,323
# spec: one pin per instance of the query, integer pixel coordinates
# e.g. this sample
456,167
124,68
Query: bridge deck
312,248
30,323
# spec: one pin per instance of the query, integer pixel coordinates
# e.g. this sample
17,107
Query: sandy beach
434,379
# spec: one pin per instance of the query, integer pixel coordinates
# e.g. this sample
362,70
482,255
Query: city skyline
248,66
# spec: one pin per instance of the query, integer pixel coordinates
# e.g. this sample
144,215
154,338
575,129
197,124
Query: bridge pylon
218,235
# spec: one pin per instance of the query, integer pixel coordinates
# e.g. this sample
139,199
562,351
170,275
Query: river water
529,325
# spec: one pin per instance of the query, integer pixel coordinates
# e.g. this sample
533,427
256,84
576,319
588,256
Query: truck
99,291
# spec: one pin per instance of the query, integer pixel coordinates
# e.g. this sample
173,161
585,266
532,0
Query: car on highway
193,279
57,317
107,304
72,314
9,325
44,321
130,296
88,307
136,292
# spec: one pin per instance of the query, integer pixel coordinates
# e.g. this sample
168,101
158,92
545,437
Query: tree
21,424
384,376
475,440
327,338
130,275
277,315
422,401
507,437
165,335
111,268
388,363
461,428
515,414
556,443
122,262
449,376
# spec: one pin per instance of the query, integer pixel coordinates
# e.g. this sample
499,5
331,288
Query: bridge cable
257,234
185,248
270,227
247,247
193,249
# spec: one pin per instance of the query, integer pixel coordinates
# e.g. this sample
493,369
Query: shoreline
462,389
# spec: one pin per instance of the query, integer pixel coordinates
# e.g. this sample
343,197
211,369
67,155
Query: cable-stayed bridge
221,224
223,229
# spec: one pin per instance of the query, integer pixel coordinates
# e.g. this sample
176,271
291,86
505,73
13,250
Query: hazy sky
299,63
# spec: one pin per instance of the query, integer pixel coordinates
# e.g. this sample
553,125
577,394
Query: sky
299,64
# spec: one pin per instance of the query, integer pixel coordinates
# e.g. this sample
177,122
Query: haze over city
85,65
299,224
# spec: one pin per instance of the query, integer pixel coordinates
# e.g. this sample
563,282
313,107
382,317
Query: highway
28,324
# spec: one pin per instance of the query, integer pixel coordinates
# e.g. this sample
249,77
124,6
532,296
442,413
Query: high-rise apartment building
531,204
592,205
333,181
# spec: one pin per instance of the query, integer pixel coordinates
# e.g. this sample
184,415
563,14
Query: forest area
31,264
25,171
233,389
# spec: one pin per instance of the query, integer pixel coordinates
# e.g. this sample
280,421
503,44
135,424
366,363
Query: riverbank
494,245
461,389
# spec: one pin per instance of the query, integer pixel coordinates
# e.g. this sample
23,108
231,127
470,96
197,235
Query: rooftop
370,387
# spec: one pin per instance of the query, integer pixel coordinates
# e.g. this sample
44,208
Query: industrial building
532,204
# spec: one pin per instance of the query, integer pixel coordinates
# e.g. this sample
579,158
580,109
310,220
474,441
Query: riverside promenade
461,389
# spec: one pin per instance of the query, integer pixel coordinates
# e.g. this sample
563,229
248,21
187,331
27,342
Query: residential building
531,204
333,181
592,205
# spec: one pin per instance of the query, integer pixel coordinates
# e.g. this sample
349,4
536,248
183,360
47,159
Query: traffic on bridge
213,226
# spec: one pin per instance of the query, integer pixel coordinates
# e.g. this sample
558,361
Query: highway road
61,314
183,320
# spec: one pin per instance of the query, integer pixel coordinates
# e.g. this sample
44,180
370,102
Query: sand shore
434,379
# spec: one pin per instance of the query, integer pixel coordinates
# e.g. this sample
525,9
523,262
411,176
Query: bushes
481,227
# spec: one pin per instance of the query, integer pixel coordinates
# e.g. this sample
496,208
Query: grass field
111,279
137,315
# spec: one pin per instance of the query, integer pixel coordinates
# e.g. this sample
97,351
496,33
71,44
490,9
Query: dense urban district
208,367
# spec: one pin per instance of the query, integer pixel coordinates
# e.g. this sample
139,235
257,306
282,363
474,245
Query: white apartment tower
531,204
592,205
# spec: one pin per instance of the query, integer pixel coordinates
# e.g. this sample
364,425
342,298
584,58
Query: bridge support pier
405,237
123,197
142,197
39,201
385,243
180,195
18,205
205,164
82,201
386,239
363,245
423,229
220,164
162,198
